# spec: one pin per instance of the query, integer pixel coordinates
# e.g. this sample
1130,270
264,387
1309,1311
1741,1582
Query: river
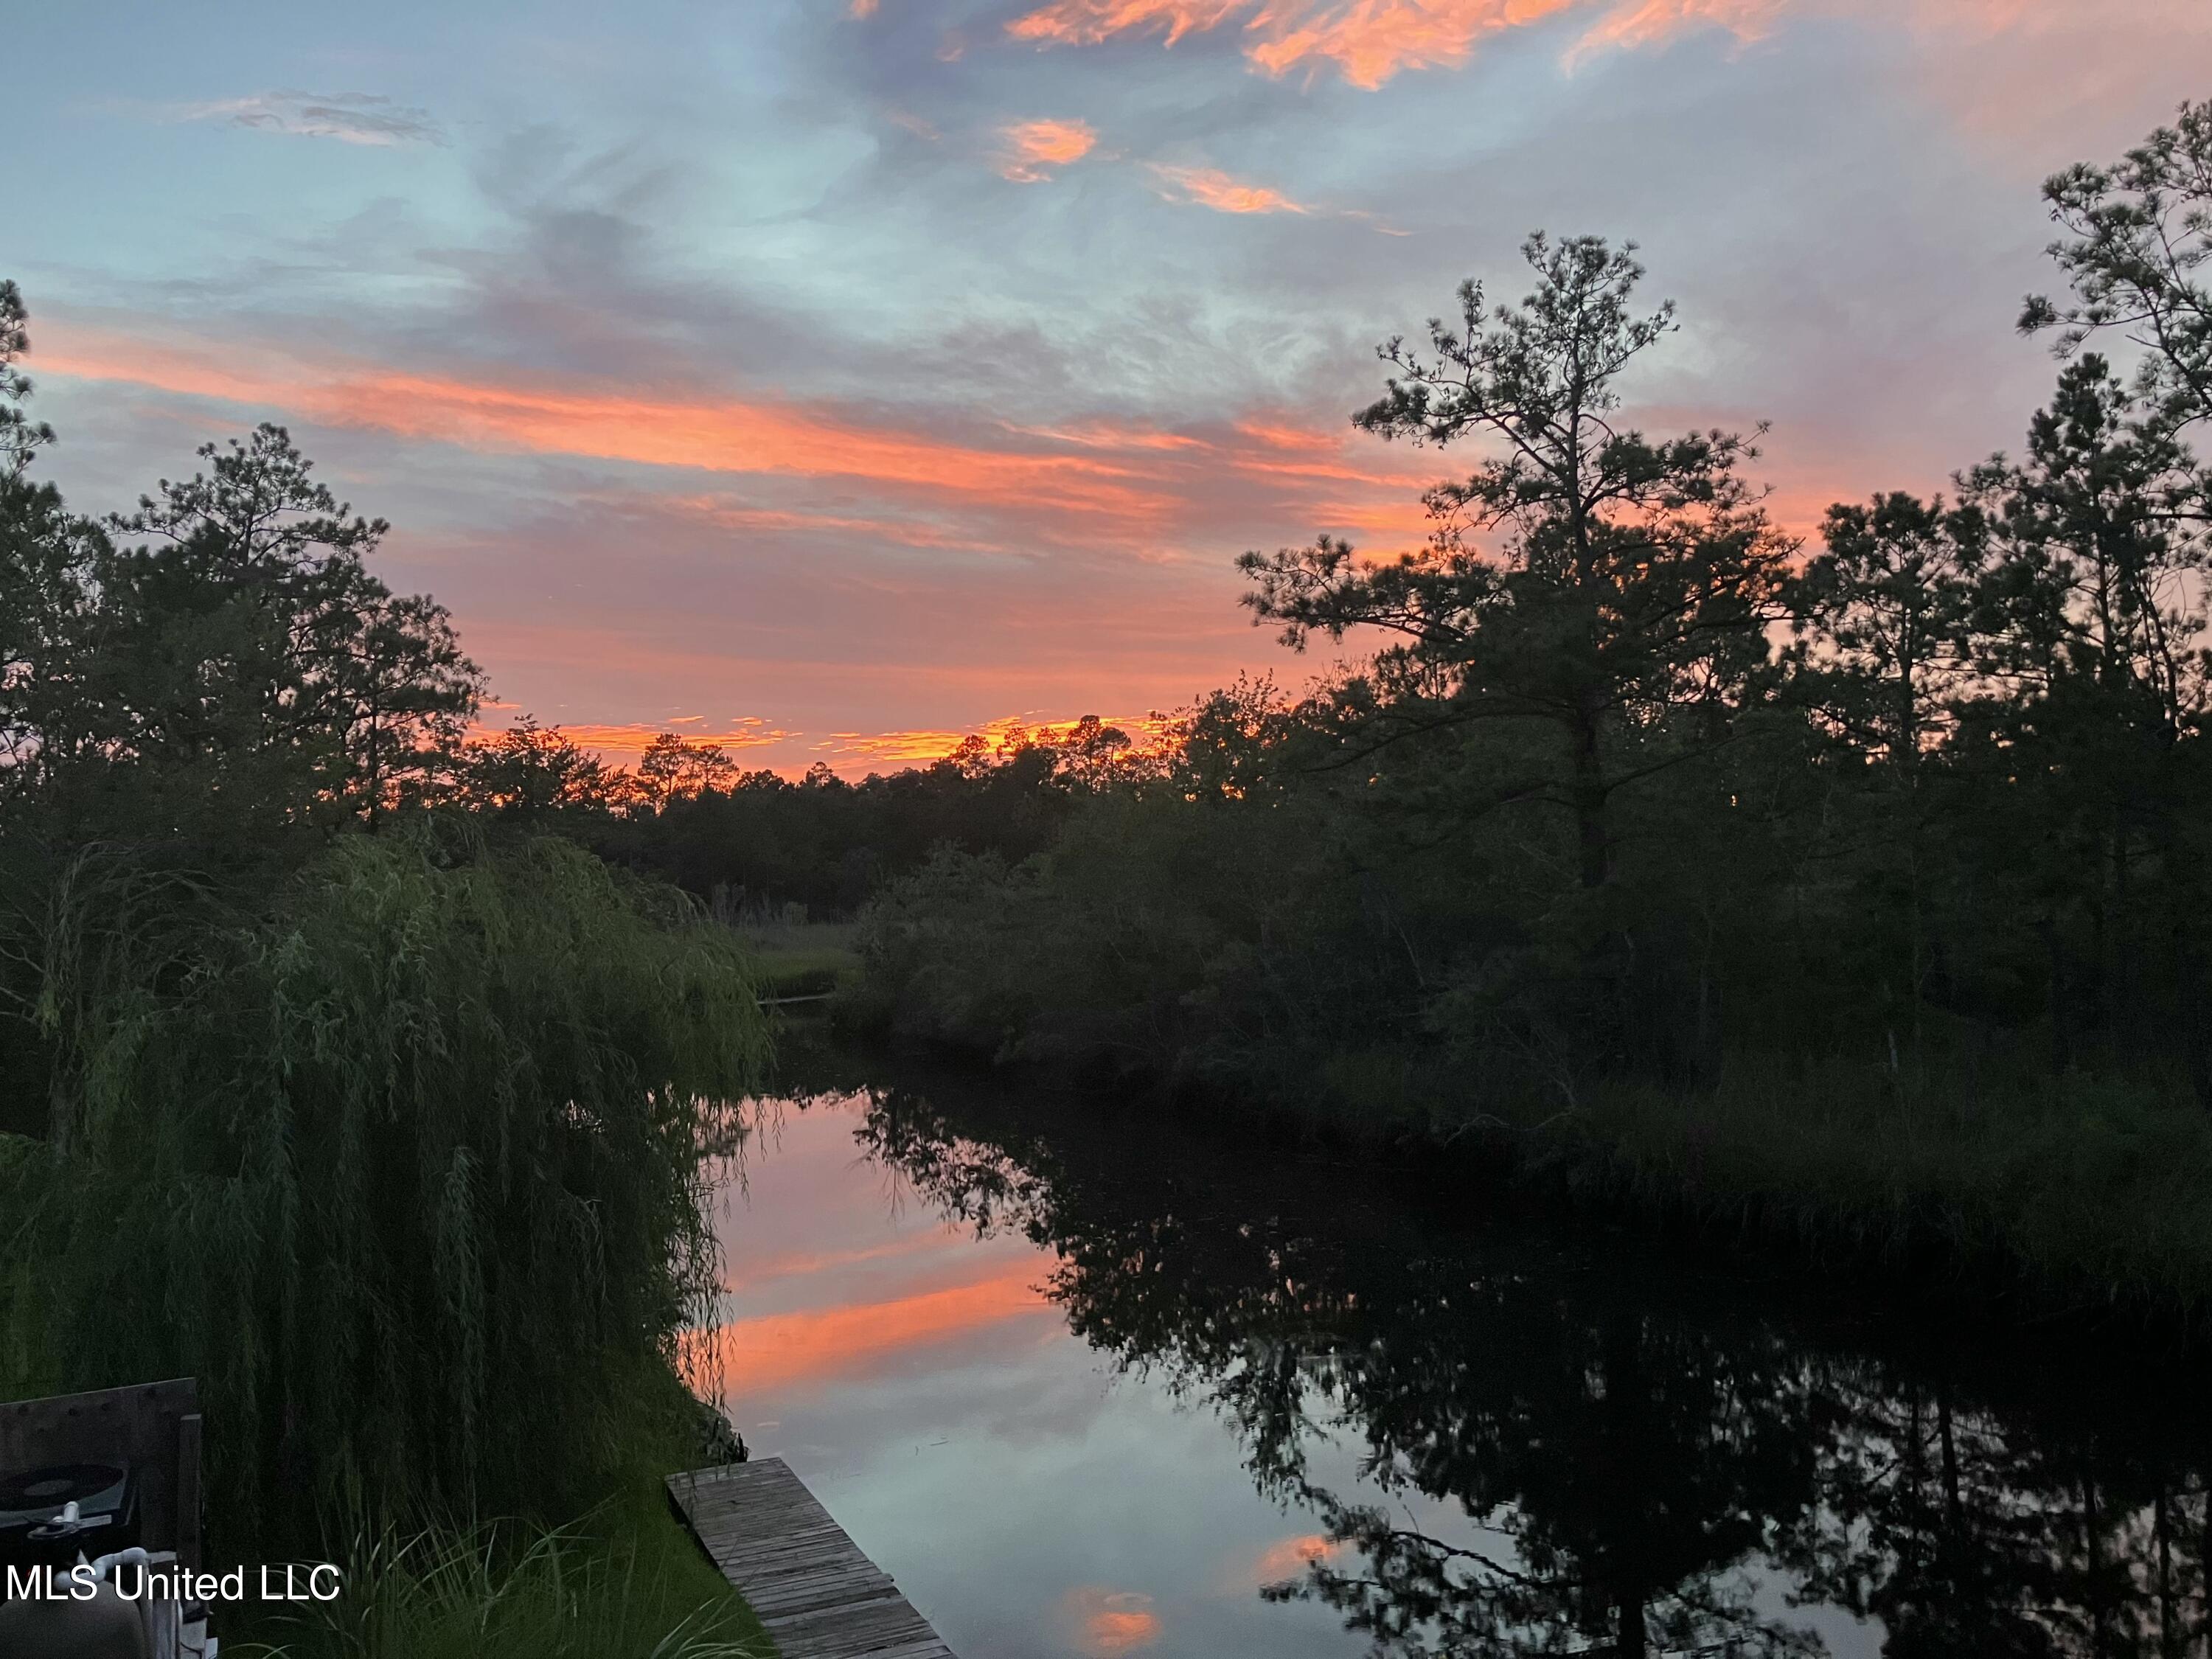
1088,1382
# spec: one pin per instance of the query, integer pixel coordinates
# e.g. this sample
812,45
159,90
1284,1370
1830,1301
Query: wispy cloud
929,481
351,117
1644,22
1371,41
1087,22
1210,187
697,430
1033,151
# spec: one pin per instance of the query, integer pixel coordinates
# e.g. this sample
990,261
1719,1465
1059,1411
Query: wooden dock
819,1596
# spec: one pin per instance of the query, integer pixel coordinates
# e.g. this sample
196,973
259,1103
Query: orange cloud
721,435
1087,22
1283,434
777,1350
1113,1621
1141,489
1643,22
1035,150
1369,41
1373,40
1209,187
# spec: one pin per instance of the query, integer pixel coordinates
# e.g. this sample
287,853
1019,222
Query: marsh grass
800,958
2082,1189
2065,1191
606,1587
624,1581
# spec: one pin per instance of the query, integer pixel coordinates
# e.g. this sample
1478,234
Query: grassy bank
624,1581
2083,1192
2077,1188
804,959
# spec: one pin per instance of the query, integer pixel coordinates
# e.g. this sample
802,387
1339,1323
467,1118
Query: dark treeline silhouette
749,842
1632,1452
1645,820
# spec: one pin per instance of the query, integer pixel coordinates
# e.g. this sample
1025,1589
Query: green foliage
790,959
1147,940
751,842
406,1170
2082,1189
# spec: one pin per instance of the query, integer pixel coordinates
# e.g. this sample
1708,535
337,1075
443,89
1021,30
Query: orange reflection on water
776,1349
1113,1621
1290,1557
801,1264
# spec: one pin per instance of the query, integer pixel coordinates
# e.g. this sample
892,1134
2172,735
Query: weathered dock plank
819,1596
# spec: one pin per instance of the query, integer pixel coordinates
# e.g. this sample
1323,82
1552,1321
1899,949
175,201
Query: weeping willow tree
406,1167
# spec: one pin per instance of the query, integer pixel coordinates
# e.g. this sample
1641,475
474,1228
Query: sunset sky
834,376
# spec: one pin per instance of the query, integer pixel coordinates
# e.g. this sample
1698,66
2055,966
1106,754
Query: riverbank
2058,1193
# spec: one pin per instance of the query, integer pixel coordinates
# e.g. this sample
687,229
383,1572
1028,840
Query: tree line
1629,783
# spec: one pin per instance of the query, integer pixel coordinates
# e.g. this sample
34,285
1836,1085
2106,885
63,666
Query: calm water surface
1085,1384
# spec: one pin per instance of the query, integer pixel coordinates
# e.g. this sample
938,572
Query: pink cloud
1209,187
1033,151
1368,41
1122,482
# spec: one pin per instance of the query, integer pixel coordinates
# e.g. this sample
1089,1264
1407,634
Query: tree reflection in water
1654,1459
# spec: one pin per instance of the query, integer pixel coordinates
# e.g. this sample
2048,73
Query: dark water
1085,1384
